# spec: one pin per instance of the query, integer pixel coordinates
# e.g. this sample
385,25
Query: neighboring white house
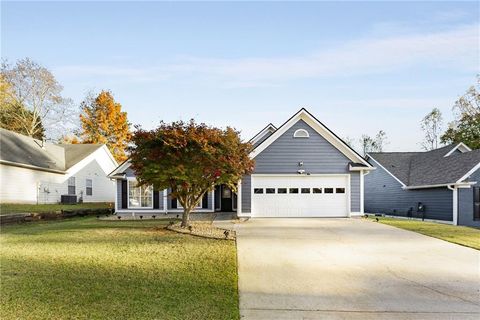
34,171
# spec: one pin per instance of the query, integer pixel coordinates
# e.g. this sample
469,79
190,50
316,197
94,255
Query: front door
226,196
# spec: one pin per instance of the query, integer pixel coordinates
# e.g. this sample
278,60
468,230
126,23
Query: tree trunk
185,218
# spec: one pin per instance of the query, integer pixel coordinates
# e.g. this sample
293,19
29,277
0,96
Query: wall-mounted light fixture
300,164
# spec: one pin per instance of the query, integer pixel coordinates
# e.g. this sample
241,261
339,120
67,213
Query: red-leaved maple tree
190,159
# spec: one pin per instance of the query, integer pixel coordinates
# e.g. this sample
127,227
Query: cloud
452,49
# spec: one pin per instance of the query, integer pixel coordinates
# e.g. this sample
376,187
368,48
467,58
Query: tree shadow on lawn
190,279
81,224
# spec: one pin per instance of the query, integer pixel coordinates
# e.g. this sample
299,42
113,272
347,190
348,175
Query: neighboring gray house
302,170
445,183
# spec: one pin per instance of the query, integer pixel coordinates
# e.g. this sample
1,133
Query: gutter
453,187
448,185
29,166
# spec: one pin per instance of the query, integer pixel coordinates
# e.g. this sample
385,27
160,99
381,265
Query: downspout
362,190
455,203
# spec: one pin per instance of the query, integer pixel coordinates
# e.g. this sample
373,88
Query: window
71,185
328,190
139,196
301,133
293,190
282,190
270,190
339,190
258,190
89,187
305,190
317,190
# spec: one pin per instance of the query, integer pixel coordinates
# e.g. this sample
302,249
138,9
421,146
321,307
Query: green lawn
84,268
12,208
465,236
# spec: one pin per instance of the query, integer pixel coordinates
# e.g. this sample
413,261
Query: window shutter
156,199
174,203
205,201
124,194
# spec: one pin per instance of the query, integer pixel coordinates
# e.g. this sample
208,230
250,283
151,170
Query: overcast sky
359,67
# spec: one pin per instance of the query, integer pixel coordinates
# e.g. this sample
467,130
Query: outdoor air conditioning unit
68,199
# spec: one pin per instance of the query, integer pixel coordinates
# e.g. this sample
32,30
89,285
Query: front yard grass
465,236
86,268
13,208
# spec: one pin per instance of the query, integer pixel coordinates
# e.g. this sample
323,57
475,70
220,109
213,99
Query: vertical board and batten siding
317,154
210,201
465,203
247,194
131,174
355,192
384,194
119,199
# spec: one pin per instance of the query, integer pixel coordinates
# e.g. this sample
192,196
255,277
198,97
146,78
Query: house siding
355,192
247,194
284,154
465,203
36,186
263,138
119,199
317,154
210,201
384,194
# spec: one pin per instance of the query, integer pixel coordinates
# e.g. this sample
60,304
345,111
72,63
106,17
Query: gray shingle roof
428,168
25,150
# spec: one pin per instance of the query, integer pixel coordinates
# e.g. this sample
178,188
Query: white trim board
469,173
461,146
270,127
124,166
319,128
391,174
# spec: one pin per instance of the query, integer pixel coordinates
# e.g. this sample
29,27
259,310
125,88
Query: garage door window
317,190
305,190
328,190
258,190
282,190
293,190
340,190
270,190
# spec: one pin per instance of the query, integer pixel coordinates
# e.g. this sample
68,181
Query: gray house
442,184
302,170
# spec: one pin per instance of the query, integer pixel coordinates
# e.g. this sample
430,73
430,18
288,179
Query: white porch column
455,204
362,196
165,200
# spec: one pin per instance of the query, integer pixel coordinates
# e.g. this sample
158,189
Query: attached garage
300,195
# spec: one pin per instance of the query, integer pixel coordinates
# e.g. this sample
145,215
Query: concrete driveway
352,269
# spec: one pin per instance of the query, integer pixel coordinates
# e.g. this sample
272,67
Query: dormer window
301,133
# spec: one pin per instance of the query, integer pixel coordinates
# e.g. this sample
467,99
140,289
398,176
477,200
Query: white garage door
300,196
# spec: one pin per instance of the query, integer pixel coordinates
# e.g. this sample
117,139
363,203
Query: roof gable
18,149
429,168
318,127
262,135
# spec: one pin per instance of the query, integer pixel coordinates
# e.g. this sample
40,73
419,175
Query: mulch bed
203,229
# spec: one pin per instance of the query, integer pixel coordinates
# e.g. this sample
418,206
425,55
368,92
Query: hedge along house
442,184
302,170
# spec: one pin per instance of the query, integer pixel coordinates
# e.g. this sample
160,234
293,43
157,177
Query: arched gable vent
301,133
